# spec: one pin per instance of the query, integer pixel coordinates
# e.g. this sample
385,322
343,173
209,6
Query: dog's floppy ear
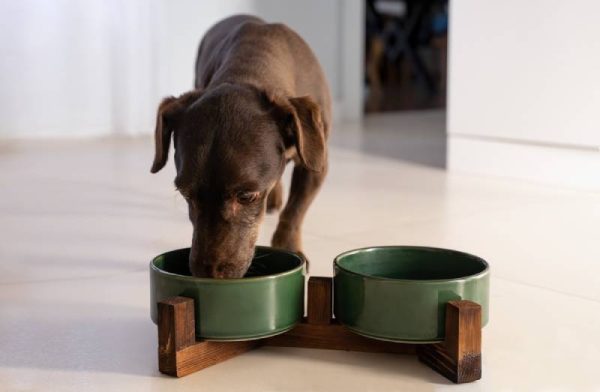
302,125
166,120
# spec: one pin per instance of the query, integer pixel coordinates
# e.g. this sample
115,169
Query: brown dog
260,100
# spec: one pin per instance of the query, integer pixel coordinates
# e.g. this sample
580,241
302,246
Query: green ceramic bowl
267,301
398,293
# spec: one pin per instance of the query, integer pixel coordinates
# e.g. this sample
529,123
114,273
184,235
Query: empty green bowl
267,301
398,293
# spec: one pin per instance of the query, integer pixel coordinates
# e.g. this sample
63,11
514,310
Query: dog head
230,150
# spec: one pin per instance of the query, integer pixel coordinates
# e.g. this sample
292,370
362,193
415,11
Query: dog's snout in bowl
220,258
219,269
267,301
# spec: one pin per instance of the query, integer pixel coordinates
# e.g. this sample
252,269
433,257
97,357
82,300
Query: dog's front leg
305,185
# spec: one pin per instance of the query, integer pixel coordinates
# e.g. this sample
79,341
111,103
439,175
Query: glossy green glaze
399,293
267,301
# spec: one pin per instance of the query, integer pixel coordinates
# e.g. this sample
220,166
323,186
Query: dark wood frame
458,358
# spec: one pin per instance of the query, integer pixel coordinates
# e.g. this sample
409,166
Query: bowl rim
485,271
189,278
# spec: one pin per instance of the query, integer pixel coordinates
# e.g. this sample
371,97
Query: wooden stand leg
179,353
458,358
319,297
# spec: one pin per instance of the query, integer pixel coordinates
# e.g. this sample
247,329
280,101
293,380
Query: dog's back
213,42
246,49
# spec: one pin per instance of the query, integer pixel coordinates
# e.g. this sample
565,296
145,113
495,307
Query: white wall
73,68
186,21
524,89
100,67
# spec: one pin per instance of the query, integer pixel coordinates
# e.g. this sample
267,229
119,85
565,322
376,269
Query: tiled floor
79,222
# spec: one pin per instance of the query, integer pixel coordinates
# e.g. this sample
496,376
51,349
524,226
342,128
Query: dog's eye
246,197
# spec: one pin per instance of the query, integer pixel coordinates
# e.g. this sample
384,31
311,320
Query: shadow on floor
82,337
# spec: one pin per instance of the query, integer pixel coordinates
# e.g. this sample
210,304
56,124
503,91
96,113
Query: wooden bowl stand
458,358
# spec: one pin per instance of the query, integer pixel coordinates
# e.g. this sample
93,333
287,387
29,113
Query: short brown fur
260,101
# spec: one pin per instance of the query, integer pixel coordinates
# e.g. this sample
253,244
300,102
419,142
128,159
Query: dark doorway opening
406,52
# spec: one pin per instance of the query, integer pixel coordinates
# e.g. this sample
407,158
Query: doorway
405,73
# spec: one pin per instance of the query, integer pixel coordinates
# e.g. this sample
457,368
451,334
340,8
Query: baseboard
555,165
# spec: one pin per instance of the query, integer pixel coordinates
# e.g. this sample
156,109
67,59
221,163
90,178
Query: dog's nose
226,270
